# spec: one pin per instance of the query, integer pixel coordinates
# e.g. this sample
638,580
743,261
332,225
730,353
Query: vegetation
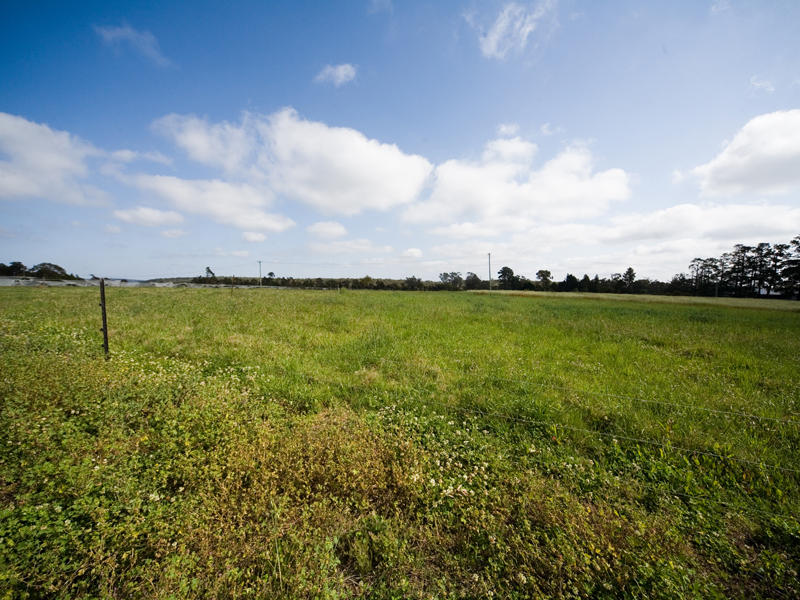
287,443
763,270
42,271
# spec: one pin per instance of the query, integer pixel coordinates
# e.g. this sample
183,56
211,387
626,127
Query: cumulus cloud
762,158
253,236
509,150
729,223
41,162
112,228
327,229
504,191
149,217
173,233
337,170
512,28
338,75
227,145
142,42
412,253
658,243
238,204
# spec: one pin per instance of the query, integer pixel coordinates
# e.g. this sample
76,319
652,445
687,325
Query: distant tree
570,283
629,277
452,281
14,269
777,258
585,284
472,281
544,277
507,279
680,285
49,271
271,275
790,271
413,283
210,273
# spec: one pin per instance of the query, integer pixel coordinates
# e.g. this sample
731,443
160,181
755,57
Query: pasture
258,443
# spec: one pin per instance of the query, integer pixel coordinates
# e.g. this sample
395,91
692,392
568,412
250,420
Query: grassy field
264,444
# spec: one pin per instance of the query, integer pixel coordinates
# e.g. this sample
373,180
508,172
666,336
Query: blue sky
396,138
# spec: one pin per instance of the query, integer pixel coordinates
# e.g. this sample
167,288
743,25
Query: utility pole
490,271
103,310
259,273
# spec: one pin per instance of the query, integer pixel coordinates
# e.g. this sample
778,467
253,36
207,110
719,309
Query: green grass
275,443
771,304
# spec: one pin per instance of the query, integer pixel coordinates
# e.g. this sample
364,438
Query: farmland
289,443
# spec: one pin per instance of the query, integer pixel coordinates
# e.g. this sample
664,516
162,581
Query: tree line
43,270
763,270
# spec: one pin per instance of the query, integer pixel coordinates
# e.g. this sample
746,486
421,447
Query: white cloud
224,144
761,85
149,217
728,222
504,192
173,233
658,243
337,170
513,27
253,236
762,158
112,229
143,42
412,253
44,163
327,229
338,75
511,150
237,204
507,129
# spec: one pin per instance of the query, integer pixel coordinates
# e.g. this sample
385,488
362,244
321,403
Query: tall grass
263,443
